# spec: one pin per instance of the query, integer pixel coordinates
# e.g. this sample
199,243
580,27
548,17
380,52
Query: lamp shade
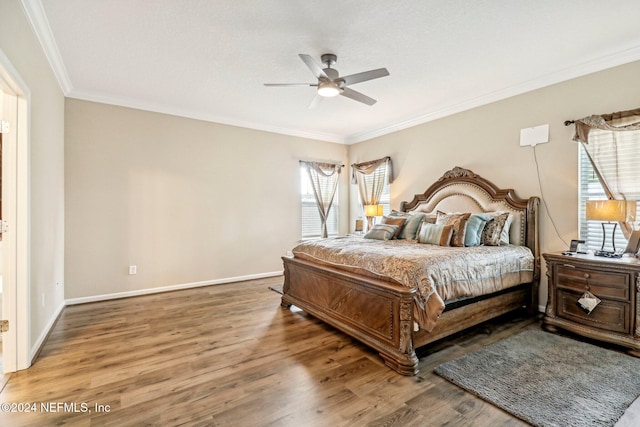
373,210
611,210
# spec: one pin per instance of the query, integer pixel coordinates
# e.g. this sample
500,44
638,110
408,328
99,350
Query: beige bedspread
437,273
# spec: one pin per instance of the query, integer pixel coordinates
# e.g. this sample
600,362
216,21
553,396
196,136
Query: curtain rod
330,163
569,122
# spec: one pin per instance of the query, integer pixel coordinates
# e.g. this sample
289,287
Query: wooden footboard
377,313
380,313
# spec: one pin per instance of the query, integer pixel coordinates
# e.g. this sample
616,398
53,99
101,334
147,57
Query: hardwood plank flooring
230,355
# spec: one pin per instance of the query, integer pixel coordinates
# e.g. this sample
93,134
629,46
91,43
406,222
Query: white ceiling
209,59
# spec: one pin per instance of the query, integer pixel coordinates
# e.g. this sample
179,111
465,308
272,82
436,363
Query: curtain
381,171
612,143
324,181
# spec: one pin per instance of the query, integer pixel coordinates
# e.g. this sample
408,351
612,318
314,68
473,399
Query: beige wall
46,175
144,188
486,140
186,201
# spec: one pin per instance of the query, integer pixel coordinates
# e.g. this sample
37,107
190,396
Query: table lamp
610,211
372,211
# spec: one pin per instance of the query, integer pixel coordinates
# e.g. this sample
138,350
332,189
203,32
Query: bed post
285,286
533,243
404,359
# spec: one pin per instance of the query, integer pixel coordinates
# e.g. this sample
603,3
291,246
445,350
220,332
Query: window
381,173
311,226
590,189
385,197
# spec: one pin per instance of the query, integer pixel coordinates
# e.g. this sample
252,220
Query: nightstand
615,281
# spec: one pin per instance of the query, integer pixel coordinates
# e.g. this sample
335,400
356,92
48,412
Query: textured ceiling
209,59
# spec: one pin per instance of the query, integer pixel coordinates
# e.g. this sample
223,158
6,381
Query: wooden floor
230,355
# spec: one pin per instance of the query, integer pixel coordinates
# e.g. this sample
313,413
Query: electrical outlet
133,269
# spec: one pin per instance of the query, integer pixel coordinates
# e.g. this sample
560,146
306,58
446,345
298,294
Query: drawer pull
569,265
586,275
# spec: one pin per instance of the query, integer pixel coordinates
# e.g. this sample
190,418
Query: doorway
14,251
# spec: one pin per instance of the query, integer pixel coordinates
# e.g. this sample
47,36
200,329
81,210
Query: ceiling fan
331,84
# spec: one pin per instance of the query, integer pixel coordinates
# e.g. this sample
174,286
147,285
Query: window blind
627,156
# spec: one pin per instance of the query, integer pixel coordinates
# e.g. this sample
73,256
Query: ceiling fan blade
313,66
364,76
316,101
290,84
357,96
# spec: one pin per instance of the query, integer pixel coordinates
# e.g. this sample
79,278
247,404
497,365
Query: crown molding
197,115
37,17
619,58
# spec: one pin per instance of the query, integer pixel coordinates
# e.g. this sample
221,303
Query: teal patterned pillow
381,232
475,226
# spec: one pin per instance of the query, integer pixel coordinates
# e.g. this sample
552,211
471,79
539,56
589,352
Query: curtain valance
323,169
367,168
621,121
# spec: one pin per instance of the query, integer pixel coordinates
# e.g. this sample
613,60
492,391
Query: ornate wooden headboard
462,190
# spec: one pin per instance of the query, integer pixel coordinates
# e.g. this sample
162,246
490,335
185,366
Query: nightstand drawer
602,285
609,315
616,281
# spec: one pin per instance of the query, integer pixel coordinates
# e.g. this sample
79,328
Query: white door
2,348
14,115
7,276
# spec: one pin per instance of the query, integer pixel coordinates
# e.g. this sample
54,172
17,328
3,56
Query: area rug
549,380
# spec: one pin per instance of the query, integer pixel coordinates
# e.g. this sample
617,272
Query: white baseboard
35,349
105,297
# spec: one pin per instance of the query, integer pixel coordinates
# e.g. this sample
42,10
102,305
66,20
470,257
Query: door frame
16,245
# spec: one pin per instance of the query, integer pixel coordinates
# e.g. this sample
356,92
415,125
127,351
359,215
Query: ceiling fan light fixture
330,84
328,89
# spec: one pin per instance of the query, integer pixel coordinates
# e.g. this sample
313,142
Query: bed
374,300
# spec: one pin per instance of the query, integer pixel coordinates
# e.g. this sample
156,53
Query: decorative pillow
412,225
493,229
459,223
399,221
505,238
381,232
435,234
475,226
430,218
